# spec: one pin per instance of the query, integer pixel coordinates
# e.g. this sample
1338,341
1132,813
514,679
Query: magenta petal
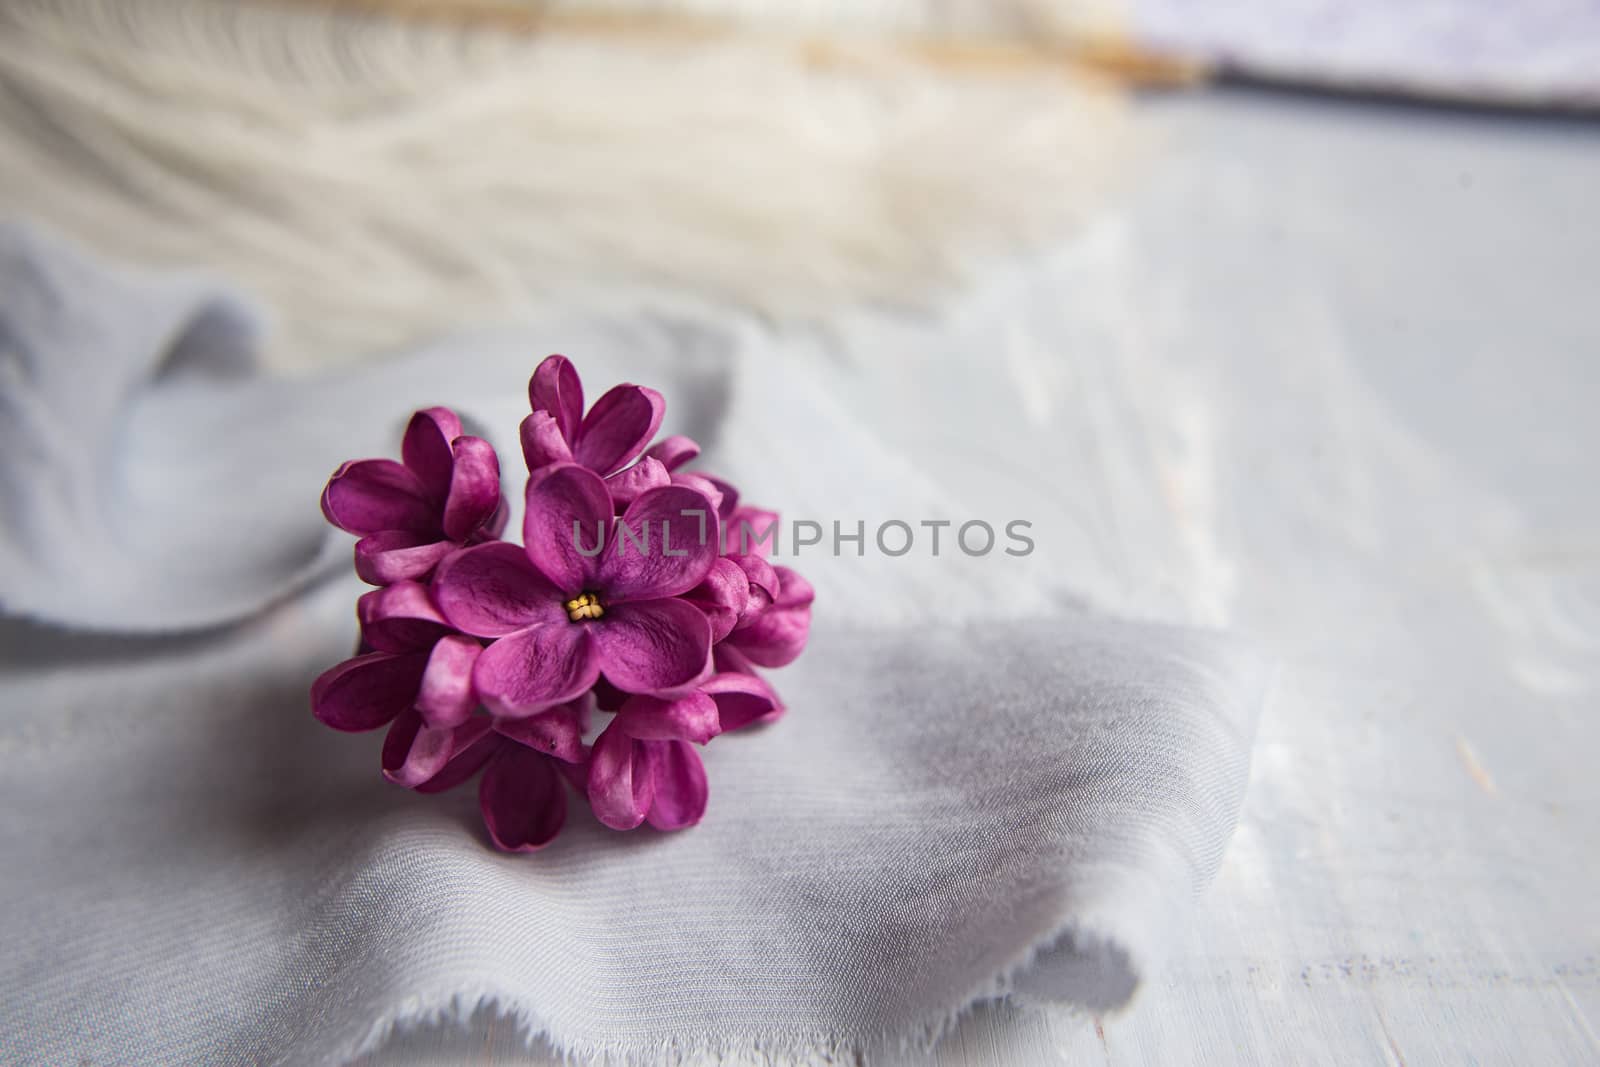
723,596
415,753
397,555
620,788
725,659
730,496
369,495
445,696
497,522
557,732
652,646
745,531
763,576
400,618
665,553
740,699
365,692
426,449
778,635
474,488
626,485
673,452
608,697
555,388
701,484
536,668
618,428
493,589
680,789
466,761
522,799
763,585
688,718
543,443
568,508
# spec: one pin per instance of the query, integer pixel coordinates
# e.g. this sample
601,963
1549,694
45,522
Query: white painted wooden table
1343,365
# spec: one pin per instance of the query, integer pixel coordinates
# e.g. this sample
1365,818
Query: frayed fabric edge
832,1048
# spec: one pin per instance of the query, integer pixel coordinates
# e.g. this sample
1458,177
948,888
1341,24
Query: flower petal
368,691
723,596
543,443
522,799
466,761
400,618
762,585
557,732
729,495
701,484
567,507
493,589
608,697
414,753
620,788
652,646
426,449
778,635
474,483
741,699
663,545
679,780
692,717
748,531
369,495
556,388
496,525
396,555
626,485
673,452
445,696
536,668
618,428
725,659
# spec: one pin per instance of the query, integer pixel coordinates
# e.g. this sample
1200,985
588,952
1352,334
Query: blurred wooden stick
1106,55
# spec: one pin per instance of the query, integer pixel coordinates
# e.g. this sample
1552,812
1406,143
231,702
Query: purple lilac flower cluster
633,593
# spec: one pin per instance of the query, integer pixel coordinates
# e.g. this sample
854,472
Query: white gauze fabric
981,789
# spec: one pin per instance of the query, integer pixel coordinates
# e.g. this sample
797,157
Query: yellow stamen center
584,606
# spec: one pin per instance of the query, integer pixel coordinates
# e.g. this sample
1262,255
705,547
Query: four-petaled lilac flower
644,768
410,515
612,435
417,680
562,615
525,762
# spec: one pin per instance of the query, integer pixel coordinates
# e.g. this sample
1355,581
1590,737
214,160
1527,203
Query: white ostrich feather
379,180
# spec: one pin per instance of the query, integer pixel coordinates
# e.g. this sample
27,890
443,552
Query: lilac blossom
444,493
560,617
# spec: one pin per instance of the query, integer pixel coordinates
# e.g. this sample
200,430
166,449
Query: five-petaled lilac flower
410,515
612,435
589,594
